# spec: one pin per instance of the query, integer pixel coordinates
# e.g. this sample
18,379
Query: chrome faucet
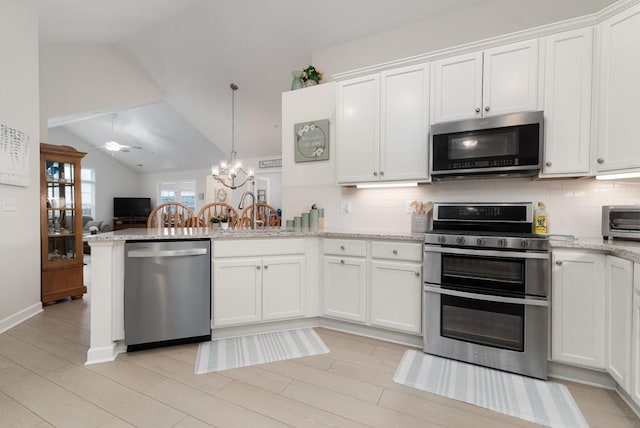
253,202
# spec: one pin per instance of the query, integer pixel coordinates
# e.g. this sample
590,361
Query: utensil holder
419,223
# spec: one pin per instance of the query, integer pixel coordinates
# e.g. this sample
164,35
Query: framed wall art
14,156
311,141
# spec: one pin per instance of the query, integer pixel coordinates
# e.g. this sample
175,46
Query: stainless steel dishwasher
167,293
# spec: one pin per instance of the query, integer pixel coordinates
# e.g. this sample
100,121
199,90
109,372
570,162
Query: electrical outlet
407,207
345,207
9,204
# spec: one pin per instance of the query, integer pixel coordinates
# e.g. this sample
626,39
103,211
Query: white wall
112,177
477,22
574,205
88,78
20,228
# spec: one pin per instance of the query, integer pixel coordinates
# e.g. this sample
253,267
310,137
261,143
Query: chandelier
227,172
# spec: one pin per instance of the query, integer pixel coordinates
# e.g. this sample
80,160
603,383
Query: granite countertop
617,247
270,232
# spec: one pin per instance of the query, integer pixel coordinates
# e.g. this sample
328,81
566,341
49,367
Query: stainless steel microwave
505,145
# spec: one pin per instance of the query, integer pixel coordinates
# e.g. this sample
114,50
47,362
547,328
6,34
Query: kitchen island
108,256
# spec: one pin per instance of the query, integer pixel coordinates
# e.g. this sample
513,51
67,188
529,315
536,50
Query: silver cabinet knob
375,174
600,161
548,163
341,262
417,273
395,252
559,262
258,267
477,109
342,247
486,108
381,173
266,266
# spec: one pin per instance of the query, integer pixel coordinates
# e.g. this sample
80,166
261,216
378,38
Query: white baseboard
21,316
104,354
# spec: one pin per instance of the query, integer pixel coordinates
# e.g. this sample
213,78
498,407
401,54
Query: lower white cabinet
396,295
345,288
634,386
578,308
619,295
254,288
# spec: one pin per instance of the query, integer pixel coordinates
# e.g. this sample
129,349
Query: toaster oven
621,221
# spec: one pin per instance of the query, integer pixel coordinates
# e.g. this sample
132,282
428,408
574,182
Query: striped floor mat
546,403
245,351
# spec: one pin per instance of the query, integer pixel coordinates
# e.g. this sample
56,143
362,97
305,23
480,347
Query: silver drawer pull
342,247
417,273
559,262
266,266
258,267
395,252
341,262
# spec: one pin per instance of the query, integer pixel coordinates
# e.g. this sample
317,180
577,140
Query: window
178,191
88,178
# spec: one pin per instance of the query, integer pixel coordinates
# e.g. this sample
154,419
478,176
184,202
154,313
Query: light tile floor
43,383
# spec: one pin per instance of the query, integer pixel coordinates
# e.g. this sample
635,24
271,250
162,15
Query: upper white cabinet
383,123
567,103
619,299
578,308
497,81
619,92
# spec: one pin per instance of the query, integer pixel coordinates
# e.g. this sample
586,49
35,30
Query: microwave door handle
487,253
530,301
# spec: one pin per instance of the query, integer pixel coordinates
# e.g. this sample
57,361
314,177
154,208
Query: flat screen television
131,207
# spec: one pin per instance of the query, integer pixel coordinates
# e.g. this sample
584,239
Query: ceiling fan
113,146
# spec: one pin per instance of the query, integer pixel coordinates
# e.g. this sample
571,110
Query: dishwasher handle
167,253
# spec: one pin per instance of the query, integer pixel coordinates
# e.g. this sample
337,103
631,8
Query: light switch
9,204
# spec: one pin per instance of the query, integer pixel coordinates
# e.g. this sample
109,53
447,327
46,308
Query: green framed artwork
311,141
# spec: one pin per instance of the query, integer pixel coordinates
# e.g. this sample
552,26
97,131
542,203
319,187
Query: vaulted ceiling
193,50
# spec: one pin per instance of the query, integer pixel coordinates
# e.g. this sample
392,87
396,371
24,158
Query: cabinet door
619,294
236,291
635,337
510,78
396,296
404,126
358,129
619,91
456,88
567,103
283,287
578,315
344,288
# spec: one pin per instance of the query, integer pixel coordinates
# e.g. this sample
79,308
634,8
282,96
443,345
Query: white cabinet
497,81
383,124
345,288
618,298
634,390
248,288
578,308
567,103
619,91
237,291
396,295
395,288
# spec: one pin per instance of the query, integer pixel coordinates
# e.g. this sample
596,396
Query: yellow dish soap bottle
540,220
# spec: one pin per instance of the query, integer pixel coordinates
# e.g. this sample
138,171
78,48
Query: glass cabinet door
61,213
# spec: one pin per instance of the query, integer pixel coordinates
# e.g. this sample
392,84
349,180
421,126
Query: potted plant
215,222
311,75
224,222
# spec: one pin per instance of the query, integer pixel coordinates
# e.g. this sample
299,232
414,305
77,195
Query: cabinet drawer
258,247
345,247
396,251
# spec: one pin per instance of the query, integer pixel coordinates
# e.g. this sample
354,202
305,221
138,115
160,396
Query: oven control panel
529,243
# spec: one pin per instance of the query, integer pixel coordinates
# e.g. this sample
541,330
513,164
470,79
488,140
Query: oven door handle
487,253
530,301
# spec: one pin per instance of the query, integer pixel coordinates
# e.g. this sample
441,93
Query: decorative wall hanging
14,157
311,141
270,163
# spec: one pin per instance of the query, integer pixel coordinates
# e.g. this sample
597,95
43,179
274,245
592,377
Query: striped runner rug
546,403
224,354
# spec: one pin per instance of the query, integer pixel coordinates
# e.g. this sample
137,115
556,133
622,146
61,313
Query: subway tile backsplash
574,205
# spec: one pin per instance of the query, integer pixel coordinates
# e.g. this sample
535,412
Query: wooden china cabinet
61,223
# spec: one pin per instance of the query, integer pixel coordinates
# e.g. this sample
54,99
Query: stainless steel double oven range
486,287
